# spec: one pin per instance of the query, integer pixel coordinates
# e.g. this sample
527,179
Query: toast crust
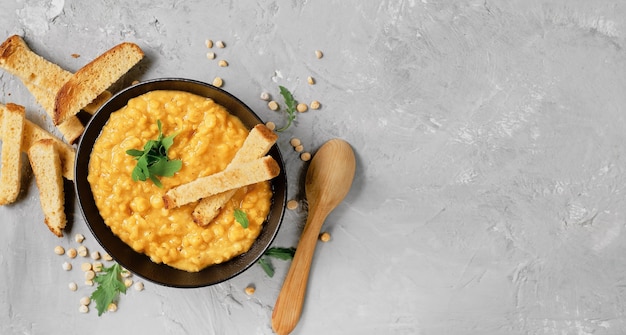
94,78
241,175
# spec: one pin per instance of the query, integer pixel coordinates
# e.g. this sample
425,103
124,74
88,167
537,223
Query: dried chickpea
271,125
295,142
325,237
310,80
218,82
220,44
107,257
125,273
250,290
319,54
302,107
71,253
222,63
59,250
83,309
265,96
299,148
79,238
89,282
112,307
292,204
209,43
67,266
85,301
82,251
128,282
138,286
95,255
210,55
90,275
305,156
96,266
72,286
86,267
315,104
273,105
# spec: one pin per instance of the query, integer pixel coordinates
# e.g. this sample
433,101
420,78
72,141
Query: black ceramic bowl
141,264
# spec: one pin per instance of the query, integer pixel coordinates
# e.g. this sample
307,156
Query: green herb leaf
153,160
267,267
291,107
110,285
241,217
281,253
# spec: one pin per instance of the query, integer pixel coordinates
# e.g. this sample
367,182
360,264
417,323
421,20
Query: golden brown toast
46,164
94,78
240,175
11,167
257,144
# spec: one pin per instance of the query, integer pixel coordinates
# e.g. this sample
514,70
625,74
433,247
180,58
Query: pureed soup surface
207,140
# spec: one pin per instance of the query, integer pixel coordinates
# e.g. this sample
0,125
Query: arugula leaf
291,107
242,218
110,285
153,160
276,252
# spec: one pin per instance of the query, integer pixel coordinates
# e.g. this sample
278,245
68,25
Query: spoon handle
290,300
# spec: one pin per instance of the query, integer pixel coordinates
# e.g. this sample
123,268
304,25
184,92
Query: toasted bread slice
257,144
11,168
46,164
95,77
258,170
33,133
43,79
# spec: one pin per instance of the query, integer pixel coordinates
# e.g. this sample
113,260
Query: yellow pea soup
207,139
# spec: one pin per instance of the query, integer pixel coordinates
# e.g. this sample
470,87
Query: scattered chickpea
273,105
250,290
112,307
90,275
71,253
270,125
85,301
210,55
138,286
315,104
299,148
82,251
310,80
59,250
79,238
89,282
67,266
125,273
325,237
319,54
218,82
128,282
222,63
95,255
72,286
96,266
302,107
220,44
265,96
107,257
305,156
295,142
209,43
83,309
292,204
86,267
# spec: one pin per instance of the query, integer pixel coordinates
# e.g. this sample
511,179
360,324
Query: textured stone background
489,195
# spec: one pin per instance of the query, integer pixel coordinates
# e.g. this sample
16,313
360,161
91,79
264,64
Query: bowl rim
136,262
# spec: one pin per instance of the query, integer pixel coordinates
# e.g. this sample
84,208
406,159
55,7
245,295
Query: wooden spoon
328,180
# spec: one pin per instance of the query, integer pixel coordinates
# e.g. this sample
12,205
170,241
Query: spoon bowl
328,181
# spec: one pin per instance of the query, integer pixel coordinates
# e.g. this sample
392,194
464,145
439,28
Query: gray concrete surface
490,188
